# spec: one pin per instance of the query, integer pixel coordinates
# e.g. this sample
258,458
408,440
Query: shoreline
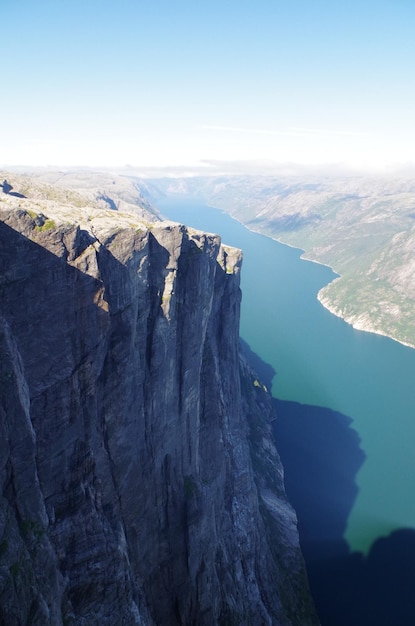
324,302
303,257
365,329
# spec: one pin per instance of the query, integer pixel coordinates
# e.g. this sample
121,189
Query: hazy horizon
183,85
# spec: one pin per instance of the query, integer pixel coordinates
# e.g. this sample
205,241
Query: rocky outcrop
139,480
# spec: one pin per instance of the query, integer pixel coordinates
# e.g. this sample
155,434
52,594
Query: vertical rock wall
139,481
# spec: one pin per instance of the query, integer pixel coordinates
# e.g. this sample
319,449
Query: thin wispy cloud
289,132
247,131
328,132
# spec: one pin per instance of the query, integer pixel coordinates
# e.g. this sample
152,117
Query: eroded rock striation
139,480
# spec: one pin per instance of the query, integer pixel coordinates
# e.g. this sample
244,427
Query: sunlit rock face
139,480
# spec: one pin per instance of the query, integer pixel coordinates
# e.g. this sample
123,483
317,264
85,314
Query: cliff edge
139,480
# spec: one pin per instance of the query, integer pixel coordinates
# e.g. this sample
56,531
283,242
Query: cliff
139,480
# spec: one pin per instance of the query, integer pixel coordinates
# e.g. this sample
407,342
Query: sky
184,82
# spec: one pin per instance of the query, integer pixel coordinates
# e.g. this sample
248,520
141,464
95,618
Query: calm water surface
320,360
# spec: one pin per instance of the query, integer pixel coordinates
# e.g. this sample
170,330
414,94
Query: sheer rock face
139,481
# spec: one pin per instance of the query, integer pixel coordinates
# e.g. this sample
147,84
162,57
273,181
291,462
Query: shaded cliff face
139,481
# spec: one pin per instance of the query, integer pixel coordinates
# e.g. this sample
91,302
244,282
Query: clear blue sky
169,82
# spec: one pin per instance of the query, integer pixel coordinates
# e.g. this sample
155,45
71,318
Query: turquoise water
320,360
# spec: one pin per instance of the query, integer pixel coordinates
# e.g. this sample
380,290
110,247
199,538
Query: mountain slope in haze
79,188
363,227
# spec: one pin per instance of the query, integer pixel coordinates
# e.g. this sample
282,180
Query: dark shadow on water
321,455
377,590
264,370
